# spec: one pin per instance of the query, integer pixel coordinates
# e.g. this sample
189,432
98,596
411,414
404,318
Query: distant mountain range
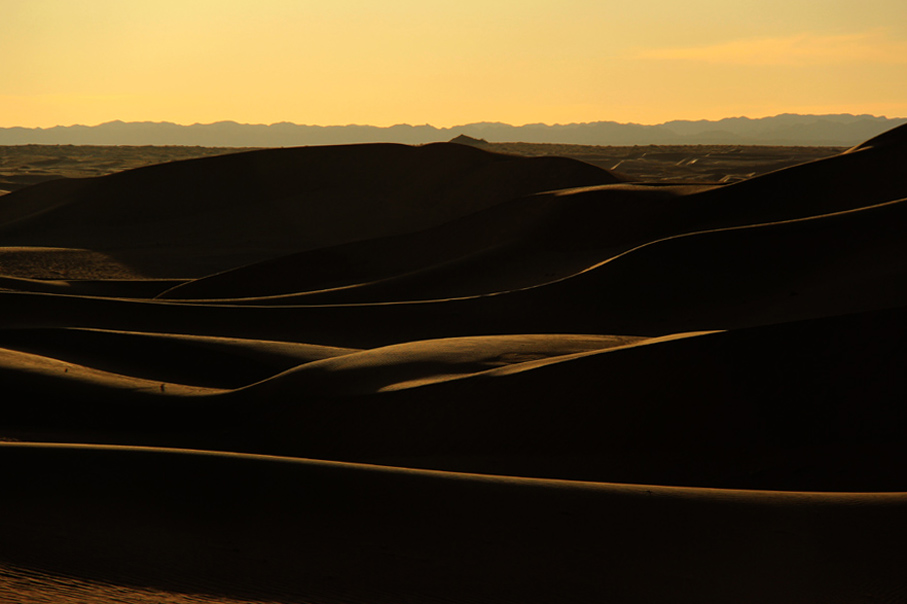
786,129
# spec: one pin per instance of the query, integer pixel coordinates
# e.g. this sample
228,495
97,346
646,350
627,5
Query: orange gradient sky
418,61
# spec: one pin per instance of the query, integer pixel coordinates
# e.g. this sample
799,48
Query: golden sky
66,62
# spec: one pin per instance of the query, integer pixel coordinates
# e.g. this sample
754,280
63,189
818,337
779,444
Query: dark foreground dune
279,529
380,373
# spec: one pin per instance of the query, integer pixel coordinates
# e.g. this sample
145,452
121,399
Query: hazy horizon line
429,125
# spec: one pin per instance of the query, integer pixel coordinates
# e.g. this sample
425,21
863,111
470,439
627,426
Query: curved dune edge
894,210
504,244
18,366
421,363
121,361
822,266
226,527
214,362
807,406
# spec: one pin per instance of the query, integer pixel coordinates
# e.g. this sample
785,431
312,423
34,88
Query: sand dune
719,414
720,279
175,219
380,373
555,232
199,360
863,176
325,532
523,242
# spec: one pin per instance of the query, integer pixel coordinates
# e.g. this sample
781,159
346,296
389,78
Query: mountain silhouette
786,129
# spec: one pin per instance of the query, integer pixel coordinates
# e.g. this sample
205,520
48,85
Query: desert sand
392,374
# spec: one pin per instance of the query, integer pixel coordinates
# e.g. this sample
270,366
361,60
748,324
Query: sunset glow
357,61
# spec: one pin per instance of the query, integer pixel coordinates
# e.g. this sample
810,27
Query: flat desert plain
454,373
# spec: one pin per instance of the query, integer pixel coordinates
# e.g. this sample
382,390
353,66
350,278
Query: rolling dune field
383,373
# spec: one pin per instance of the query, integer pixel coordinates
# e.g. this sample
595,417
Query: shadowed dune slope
540,239
814,405
896,137
142,383
865,175
841,262
822,266
519,243
247,206
810,405
283,530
